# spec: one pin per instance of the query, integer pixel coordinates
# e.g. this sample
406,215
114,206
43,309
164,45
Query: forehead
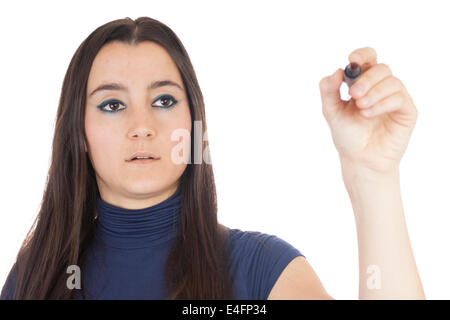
117,61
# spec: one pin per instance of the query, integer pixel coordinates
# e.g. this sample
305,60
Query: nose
142,131
142,126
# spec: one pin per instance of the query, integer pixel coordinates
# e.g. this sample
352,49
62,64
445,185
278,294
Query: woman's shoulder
260,257
250,239
251,248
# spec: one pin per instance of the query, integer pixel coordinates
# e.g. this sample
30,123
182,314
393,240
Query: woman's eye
165,101
113,103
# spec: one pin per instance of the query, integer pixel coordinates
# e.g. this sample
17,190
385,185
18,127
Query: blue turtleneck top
127,256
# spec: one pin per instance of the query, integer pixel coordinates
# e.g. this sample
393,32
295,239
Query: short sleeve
8,288
265,257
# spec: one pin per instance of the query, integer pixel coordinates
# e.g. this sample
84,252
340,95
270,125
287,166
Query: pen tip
353,70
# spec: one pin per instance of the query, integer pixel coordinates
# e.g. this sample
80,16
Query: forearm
387,269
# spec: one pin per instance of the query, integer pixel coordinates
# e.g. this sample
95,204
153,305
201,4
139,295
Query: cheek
102,144
177,139
103,140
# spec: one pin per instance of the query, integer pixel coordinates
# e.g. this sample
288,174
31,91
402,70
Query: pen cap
351,73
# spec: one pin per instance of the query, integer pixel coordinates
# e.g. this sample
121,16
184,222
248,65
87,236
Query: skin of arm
387,269
370,132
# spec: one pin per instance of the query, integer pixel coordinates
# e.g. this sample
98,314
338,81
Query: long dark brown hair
197,266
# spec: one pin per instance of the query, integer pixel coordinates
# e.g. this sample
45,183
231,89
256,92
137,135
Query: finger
369,79
329,92
394,102
365,57
381,90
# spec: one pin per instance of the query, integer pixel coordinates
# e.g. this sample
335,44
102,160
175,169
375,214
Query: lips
141,155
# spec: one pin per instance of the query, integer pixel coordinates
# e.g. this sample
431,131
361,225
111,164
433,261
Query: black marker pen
351,73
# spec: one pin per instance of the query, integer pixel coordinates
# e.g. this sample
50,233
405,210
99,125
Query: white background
259,65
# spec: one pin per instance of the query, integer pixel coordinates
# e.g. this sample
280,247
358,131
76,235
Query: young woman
130,209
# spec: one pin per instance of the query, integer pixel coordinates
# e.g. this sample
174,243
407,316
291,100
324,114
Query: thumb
329,92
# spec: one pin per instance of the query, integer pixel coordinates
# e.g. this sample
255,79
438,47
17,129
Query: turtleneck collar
138,228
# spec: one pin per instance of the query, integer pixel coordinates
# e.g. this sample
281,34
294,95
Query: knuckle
385,67
322,82
376,91
395,82
403,98
372,52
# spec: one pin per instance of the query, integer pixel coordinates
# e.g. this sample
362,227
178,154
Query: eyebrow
121,87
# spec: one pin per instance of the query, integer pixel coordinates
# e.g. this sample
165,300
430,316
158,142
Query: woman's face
135,119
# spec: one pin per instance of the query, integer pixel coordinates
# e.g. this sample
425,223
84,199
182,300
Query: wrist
363,183
353,171
372,194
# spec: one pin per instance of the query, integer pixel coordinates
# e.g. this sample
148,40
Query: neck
138,228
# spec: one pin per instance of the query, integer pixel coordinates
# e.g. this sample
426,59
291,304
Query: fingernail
356,56
365,101
357,89
368,112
